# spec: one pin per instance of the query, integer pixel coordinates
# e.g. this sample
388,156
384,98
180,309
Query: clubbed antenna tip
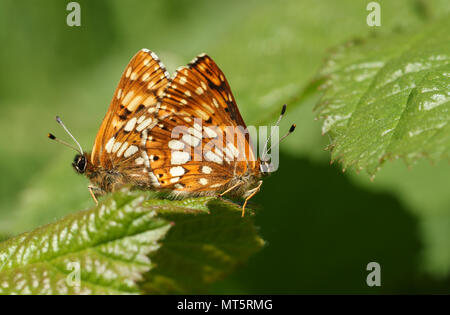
292,128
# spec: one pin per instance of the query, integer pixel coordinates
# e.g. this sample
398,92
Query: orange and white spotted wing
137,135
143,80
213,147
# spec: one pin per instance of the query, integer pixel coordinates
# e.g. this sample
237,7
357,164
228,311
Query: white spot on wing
228,154
191,140
143,124
180,157
144,138
196,131
145,157
127,98
206,169
233,149
130,124
110,144
176,145
122,149
116,146
154,179
198,128
130,151
212,157
210,133
145,77
128,72
201,114
134,103
177,171
149,101
139,161
141,119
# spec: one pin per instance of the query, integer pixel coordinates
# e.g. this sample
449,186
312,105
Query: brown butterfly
184,135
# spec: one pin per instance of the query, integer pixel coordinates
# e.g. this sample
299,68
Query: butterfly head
264,168
80,163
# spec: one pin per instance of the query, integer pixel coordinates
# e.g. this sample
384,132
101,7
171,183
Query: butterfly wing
143,80
210,146
138,137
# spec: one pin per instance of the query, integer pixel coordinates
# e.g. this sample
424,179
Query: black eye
79,163
82,163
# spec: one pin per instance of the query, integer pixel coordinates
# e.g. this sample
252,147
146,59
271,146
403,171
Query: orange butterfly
184,135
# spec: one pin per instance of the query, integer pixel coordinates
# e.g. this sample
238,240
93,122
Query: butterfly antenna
291,130
265,151
52,137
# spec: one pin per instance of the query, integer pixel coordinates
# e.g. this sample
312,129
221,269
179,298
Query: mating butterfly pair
137,144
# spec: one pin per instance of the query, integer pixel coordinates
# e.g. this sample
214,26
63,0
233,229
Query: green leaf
117,245
389,98
109,244
204,245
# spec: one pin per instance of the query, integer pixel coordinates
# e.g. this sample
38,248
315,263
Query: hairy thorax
105,181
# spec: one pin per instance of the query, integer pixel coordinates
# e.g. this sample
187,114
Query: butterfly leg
91,191
230,189
252,192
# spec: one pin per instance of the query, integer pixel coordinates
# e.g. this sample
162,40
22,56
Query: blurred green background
322,227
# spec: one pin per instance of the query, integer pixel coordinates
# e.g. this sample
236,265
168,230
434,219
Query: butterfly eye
79,163
265,168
